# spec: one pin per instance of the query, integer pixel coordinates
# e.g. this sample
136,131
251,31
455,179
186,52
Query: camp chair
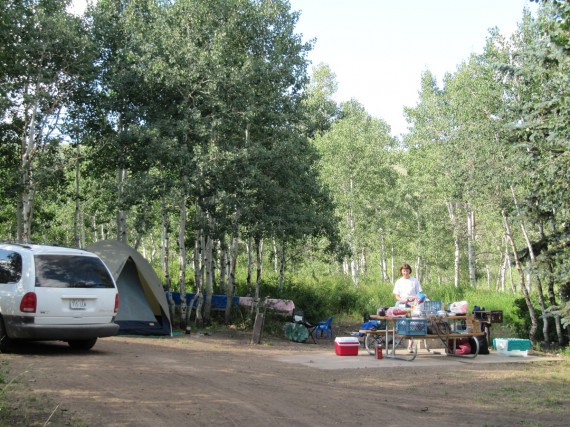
299,318
325,328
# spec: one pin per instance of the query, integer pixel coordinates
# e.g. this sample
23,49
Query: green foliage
49,60
317,297
563,311
318,108
491,300
522,322
355,165
335,295
207,105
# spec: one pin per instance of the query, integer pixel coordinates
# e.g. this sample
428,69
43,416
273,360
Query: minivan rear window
10,266
71,271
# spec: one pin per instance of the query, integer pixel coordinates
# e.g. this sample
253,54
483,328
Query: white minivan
53,293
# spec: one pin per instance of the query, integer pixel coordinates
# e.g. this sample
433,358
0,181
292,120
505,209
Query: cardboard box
493,316
346,346
497,316
512,346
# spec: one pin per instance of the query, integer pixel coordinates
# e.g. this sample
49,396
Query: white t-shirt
407,287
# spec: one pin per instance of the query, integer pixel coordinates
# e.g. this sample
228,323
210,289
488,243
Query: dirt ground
221,379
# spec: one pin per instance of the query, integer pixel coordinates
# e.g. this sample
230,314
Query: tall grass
484,298
325,294
335,295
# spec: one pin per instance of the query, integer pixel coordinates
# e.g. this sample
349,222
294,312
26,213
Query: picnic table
390,338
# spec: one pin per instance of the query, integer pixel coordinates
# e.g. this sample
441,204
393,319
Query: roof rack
21,244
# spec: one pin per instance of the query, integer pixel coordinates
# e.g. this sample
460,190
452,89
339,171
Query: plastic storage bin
431,306
346,346
411,326
512,346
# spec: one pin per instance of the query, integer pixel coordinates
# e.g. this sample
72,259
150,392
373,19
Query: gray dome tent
143,309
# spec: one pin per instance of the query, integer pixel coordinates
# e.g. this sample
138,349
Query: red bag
462,346
396,312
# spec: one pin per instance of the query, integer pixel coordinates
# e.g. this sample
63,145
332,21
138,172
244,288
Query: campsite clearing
221,379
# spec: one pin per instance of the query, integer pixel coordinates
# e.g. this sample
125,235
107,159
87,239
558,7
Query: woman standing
406,287
406,290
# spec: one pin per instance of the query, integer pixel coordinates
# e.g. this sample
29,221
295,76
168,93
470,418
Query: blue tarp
372,324
218,301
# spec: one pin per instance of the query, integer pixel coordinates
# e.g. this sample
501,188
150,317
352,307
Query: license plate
78,304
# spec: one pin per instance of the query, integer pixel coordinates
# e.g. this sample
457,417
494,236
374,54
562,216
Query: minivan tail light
116,303
29,303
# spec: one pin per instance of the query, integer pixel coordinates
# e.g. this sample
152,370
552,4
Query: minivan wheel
5,342
82,344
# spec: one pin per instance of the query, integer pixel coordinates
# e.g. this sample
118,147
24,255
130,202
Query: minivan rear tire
82,344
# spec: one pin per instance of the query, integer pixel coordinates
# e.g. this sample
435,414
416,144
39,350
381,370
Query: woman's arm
403,299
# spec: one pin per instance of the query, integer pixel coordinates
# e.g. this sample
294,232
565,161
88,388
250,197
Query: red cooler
346,346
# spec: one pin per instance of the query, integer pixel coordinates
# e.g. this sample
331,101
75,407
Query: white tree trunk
165,257
393,263
197,262
95,228
533,262
457,252
232,266
209,271
224,264
354,271
511,277
77,211
471,258
82,229
282,267
524,289
383,263
259,265
417,269
249,247
353,250
121,214
29,145
503,268
275,256
182,261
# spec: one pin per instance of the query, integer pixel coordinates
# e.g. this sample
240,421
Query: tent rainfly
143,309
